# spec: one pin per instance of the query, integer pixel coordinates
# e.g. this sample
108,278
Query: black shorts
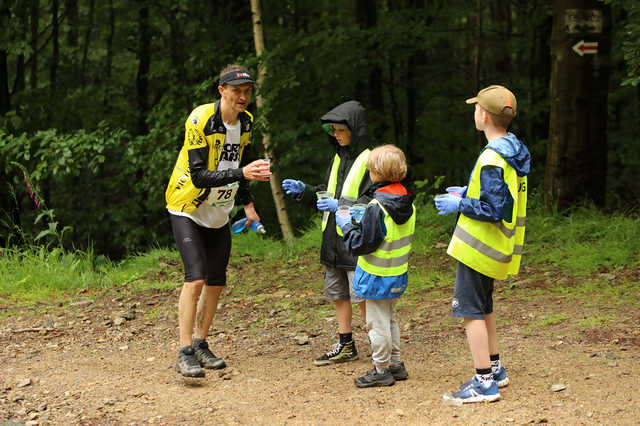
472,295
204,251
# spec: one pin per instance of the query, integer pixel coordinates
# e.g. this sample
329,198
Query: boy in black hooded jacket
348,181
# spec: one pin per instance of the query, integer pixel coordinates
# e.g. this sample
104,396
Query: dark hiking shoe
398,371
187,365
339,353
373,379
205,357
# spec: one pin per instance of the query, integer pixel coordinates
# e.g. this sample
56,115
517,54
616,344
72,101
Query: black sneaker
373,378
398,371
205,357
339,353
187,365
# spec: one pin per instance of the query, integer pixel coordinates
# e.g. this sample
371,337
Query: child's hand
292,186
327,205
342,220
456,190
447,203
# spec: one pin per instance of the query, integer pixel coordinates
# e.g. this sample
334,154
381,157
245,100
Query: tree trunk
477,53
19,83
532,41
274,181
55,57
35,17
176,43
71,10
414,78
109,64
577,153
87,40
5,102
144,56
367,16
501,46
112,31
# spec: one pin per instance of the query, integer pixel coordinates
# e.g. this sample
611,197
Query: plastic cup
357,211
343,210
323,195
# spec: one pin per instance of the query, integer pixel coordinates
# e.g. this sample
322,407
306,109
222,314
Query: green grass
266,248
595,322
583,244
36,274
548,320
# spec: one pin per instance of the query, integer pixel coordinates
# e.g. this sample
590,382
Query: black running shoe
205,357
373,378
398,371
187,365
339,353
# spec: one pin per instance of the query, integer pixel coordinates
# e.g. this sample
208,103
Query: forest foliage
95,95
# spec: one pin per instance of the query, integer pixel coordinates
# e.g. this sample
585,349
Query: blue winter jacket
367,237
495,199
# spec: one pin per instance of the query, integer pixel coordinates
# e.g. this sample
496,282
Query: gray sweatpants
384,332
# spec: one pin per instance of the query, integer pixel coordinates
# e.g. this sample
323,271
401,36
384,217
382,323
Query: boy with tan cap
489,236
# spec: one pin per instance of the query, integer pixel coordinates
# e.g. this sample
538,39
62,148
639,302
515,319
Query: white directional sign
578,21
585,47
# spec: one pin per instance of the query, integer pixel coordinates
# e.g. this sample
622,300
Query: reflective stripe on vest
351,185
492,248
391,258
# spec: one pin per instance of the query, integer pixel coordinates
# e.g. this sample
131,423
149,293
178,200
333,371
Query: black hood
399,206
353,115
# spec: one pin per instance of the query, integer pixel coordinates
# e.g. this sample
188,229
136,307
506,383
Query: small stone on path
302,340
558,387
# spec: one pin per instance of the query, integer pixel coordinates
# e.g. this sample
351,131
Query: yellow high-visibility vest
203,128
492,248
349,193
392,256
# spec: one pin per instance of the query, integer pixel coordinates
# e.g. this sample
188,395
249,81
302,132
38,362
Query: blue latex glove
327,205
447,203
457,189
341,221
292,186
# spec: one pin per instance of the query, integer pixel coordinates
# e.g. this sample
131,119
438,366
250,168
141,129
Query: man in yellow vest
489,236
200,195
348,183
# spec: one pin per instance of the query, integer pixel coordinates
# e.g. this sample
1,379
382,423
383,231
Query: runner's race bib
222,196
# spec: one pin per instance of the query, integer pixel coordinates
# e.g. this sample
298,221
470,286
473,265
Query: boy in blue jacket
489,235
382,242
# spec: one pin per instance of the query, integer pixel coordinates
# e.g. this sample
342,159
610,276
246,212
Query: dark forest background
94,95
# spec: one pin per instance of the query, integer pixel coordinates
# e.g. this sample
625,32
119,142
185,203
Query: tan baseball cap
495,99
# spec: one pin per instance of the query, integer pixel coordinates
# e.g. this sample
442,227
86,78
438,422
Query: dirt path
85,364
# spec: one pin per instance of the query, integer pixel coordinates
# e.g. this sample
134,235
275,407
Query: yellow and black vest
349,193
203,128
391,258
492,248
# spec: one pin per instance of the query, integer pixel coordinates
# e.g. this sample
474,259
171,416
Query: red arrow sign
585,47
